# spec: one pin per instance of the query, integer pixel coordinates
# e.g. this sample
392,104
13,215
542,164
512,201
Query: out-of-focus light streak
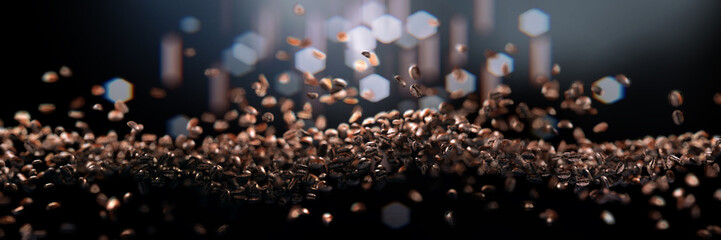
484,16
171,60
539,60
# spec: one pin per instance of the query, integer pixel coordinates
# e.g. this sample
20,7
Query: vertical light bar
484,16
429,58
314,31
171,60
540,59
459,35
218,85
399,8
267,27
488,81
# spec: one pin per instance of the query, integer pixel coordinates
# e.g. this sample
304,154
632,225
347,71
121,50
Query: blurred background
670,46
155,54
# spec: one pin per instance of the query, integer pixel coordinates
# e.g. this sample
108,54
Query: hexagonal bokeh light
461,79
396,215
244,53
361,39
430,102
118,89
407,41
233,65
351,56
370,11
287,83
533,22
387,28
374,88
177,125
422,24
309,60
500,64
612,90
334,25
254,41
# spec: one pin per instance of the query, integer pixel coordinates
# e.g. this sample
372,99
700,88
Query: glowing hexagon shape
255,42
233,65
396,215
461,79
177,125
500,64
351,56
361,39
533,22
612,90
422,24
370,11
374,88
431,102
387,28
245,54
118,89
334,25
407,41
308,60
287,83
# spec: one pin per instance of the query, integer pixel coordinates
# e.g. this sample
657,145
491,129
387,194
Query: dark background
660,45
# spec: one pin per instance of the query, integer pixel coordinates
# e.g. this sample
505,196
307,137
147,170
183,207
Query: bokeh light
500,65
287,83
351,57
374,88
118,89
611,90
396,215
533,22
460,79
254,41
361,39
422,25
189,24
387,29
177,125
233,65
407,41
308,60
370,11
334,25
245,54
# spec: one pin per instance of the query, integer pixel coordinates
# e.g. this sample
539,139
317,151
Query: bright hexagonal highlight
500,65
431,102
422,24
245,54
407,41
334,25
611,90
396,215
310,60
255,42
233,65
361,39
177,125
374,88
533,22
287,83
370,11
387,28
351,56
118,89
460,79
